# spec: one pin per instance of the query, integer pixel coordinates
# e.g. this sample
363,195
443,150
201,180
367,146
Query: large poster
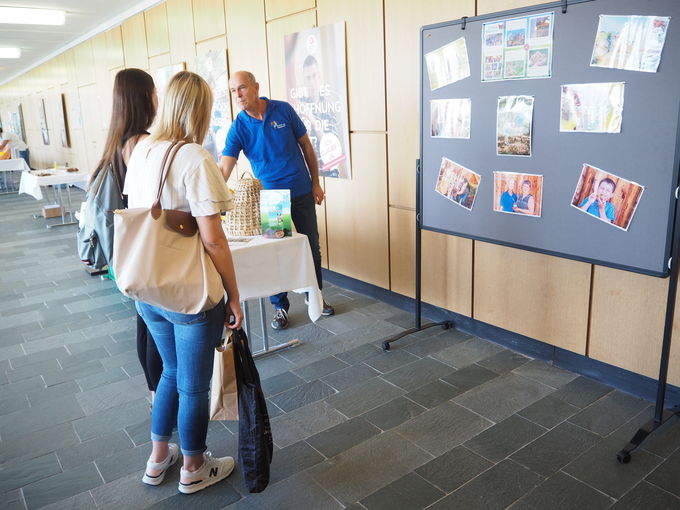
316,87
212,66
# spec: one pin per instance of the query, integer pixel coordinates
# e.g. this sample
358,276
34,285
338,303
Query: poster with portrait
43,122
63,124
606,196
448,64
592,107
16,122
212,66
518,193
513,125
518,48
450,118
164,75
457,183
633,43
316,87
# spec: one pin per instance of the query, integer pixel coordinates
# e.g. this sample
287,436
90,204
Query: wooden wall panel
365,57
247,40
488,6
181,26
357,225
402,251
114,48
208,19
276,30
627,318
84,62
279,8
156,24
674,364
91,124
157,62
402,31
134,42
542,297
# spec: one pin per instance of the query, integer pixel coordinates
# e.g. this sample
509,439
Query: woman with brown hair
192,183
133,110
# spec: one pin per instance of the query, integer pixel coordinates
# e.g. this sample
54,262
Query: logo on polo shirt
276,125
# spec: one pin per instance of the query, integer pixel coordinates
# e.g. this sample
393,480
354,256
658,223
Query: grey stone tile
292,459
302,395
497,487
123,463
99,379
562,492
31,445
454,468
545,373
467,352
386,361
41,416
582,391
39,368
342,437
356,401
443,428
549,411
565,442
394,413
360,353
280,383
430,345
409,492
110,420
345,322
272,365
12,404
667,475
71,374
469,377
609,413
297,492
213,497
433,394
370,466
73,360
82,501
599,468
76,455
12,500
662,442
503,396
646,496
128,493
350,376
19,474
61,486
303,423
49,354
119,360
505,438
10,351
21,387
504,361
320,368
416,374
46,394
113,394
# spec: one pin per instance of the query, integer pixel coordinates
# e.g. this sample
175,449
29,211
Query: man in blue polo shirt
275,141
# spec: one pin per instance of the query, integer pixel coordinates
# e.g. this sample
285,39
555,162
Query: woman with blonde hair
186,342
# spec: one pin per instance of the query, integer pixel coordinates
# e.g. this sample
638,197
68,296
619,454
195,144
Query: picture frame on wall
63,124
43,122
17,122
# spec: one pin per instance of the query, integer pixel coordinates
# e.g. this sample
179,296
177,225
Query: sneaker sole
158,479
190,489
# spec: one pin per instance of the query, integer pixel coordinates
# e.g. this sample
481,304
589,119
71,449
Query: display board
629,220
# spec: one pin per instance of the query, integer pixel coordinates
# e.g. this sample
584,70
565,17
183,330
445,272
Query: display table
11,165
268,266
31,184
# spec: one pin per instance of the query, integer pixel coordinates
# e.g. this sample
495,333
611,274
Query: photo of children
607,196
457,183
513,125
450,118
517,193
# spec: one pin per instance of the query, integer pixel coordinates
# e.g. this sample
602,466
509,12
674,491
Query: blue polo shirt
507,201
271,146
594,209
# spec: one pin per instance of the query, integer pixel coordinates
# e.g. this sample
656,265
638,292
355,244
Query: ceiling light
23,16
10,53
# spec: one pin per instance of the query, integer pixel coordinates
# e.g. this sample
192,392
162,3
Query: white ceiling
39,43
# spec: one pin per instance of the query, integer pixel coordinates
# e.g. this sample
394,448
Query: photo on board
457,183
606,196
592,107
448,64
450,118
513,125
518,193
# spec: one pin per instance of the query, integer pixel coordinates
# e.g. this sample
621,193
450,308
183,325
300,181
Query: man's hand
318,193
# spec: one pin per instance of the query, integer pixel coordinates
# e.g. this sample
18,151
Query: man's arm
227,164
313,166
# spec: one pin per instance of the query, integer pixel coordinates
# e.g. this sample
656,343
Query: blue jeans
303,214
186,343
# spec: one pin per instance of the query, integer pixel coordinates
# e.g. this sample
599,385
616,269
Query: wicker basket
244,218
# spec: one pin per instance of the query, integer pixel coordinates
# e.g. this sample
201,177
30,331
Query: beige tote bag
159,258
223,389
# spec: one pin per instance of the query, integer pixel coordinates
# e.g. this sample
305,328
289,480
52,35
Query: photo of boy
598,203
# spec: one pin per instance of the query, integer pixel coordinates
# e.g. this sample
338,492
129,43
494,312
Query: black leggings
150,359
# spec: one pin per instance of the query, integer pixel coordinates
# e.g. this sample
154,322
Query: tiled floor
443,420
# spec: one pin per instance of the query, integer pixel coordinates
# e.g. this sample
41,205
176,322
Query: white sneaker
173,455
212,471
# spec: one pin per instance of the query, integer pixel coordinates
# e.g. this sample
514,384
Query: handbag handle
165,170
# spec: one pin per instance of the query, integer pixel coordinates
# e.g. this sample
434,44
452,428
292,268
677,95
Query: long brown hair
132,113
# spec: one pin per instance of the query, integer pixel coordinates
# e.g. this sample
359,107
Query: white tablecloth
13,165
30,183
268,266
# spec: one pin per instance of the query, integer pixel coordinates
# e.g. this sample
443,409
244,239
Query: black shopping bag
255,445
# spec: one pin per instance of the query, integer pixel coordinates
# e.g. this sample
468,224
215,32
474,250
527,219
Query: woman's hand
233,311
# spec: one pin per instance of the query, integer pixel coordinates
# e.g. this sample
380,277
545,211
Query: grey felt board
646,150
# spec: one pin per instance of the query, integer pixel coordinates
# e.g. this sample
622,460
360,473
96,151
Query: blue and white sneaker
173,455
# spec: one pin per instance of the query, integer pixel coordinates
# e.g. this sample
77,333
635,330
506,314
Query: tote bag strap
165,170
